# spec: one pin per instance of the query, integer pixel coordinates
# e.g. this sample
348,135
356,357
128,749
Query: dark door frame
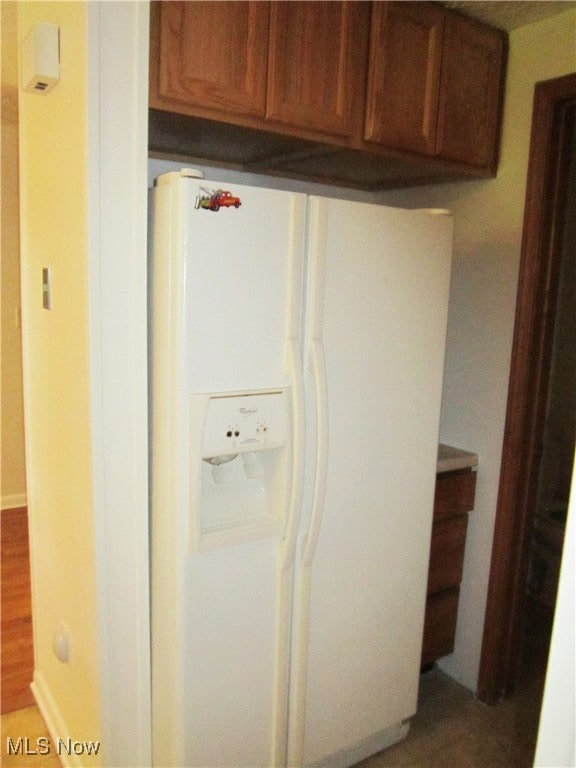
535,309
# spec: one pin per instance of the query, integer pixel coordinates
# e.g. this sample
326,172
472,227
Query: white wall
556,747
488,219
118,37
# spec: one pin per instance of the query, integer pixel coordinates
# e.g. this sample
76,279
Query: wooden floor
17,659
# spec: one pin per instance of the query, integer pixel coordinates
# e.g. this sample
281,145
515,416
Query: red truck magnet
214,199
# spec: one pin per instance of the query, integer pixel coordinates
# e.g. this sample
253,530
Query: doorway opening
538,446
16,657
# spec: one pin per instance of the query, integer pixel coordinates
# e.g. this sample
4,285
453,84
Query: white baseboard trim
62,745
11,502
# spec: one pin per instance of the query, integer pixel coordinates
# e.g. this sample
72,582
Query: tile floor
454,730
451,730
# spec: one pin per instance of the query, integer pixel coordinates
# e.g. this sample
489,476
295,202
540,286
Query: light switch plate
46,288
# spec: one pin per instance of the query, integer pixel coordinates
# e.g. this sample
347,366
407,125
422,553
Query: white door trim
117,215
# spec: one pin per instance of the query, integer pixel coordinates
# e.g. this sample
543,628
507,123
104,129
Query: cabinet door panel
447,553
468,119
404,75
440,625
214,55
316,64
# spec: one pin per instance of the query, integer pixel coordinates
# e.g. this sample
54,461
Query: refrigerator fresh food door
376,325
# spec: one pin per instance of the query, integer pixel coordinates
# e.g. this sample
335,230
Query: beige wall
488,230
12,471
54,211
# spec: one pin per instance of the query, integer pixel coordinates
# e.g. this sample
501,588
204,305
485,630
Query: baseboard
59,734
14,501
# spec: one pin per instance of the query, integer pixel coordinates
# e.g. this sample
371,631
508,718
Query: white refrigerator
296,348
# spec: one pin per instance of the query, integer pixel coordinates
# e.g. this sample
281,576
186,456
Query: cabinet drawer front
404,75
317,64
447,553
454,494
213,55
440,625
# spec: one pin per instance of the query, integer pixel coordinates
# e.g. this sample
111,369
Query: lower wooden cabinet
447,553
440,625
453,500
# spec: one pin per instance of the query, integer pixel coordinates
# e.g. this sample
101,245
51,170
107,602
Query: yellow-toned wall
13,470
54,207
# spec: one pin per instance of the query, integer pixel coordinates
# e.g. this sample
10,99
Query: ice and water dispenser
244,464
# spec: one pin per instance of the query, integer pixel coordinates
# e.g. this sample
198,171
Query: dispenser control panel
248,422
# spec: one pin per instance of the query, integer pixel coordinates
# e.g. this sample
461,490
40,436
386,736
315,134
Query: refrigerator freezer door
379,286
238,283
225,319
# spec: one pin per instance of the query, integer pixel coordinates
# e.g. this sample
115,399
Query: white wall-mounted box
40,58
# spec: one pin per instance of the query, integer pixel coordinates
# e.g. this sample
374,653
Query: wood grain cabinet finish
316,64
453,499
404,75
440,625
376,95
434,83
454,494
211,55
447,553
470,92
268,64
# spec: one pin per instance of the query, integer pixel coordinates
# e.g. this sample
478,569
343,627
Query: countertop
451,459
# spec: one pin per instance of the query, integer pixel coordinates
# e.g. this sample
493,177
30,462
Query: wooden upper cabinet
404,75
328,88
316,65
470,92
434,83
211,55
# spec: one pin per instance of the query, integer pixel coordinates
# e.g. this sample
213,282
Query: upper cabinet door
213,55
404,75
316,65
470,92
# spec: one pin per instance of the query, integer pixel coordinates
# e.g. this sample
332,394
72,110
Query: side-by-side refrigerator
296,348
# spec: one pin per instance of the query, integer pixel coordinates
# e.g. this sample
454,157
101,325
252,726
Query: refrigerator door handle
318,369
298,436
